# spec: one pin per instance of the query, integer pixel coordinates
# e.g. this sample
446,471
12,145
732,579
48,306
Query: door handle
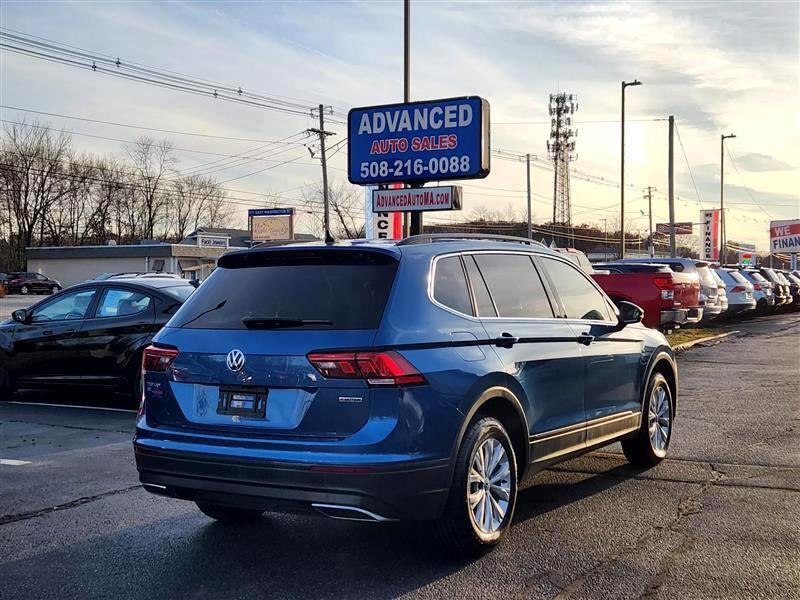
585,339
506,340
50,331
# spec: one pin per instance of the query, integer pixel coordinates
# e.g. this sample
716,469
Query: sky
718,67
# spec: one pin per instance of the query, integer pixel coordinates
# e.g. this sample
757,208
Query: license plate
244,402
748,294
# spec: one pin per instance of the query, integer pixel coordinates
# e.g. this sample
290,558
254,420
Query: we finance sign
418,141
784,236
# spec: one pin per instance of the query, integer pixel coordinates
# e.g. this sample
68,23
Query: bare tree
152,162
346,209
196,201
32,171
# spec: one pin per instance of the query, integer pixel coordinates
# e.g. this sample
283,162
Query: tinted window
347,288
483,300
450,285
581,299
757,277
514,285
66,307
737,277
117,302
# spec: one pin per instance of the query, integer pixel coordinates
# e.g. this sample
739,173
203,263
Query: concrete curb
687,345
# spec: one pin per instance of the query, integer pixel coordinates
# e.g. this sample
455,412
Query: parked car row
722,292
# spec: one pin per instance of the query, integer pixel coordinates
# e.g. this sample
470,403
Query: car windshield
179,292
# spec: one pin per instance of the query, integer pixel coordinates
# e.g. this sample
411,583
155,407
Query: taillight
158,360
738,288
378,368
757,287
667,287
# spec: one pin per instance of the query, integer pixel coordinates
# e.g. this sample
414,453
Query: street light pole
723,241
622,172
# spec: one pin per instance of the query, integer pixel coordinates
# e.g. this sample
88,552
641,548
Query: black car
89,334
29,283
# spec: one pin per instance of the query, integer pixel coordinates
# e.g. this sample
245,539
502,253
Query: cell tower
561,150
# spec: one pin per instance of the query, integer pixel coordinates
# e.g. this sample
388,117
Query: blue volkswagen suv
420,379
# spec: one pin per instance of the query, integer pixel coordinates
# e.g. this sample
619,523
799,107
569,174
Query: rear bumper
694,315
741,307
674,316
413,490
710,312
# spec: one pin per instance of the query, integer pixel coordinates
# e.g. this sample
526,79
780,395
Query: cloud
762,162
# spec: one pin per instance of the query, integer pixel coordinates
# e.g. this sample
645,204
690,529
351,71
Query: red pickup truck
669,299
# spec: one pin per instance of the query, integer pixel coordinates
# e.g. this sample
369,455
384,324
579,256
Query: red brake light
157,359
378,368
664,283
757,287
738,288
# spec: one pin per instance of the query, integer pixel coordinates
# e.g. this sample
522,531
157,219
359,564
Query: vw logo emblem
235,360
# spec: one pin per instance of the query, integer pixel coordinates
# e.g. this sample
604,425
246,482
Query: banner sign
387,226
417,199
680,228
268,224
784,236
419,141
710,220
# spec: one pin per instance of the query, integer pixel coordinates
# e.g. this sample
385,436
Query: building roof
131,251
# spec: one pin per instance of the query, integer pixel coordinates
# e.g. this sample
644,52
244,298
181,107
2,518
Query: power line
747,189
577,122
688,166
116,124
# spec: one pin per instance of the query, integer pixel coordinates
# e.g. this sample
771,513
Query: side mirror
20,316
629,313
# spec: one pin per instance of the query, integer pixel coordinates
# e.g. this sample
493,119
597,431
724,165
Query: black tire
229,514
24,290
55,289
457,530
643,450
6,388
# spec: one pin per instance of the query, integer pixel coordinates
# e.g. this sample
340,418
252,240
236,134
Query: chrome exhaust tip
349,513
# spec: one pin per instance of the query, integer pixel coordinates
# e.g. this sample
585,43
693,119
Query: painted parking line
11,462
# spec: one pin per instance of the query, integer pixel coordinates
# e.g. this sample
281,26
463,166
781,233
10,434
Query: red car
669,299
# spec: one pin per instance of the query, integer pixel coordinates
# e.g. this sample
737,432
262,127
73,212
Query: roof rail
429,238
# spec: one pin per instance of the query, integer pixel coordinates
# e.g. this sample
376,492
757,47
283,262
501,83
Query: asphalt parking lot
718,518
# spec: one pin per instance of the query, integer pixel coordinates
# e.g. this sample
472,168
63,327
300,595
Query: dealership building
193,258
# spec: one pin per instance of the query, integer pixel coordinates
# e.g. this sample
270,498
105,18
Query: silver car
709,292
738,290
762,290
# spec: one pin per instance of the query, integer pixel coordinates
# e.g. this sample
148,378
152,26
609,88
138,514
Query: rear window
757,276
737,277
343,289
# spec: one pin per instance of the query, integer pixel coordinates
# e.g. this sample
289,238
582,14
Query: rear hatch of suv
236,354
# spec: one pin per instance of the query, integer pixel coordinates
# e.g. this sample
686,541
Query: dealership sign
710,221
417,199
784,236
680,228
419,141
268,224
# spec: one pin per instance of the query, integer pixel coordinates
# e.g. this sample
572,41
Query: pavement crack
6,519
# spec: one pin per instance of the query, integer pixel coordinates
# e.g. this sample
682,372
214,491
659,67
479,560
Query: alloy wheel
489,486
659,420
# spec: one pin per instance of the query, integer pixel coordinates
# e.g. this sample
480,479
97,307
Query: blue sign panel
269,212
418,141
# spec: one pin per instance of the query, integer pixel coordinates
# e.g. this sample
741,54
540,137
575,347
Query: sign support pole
414,219
530,215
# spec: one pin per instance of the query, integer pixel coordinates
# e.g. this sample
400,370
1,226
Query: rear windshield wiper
280,322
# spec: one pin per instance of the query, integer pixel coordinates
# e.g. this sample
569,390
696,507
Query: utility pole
322,135
530,213
723,242
622,172
673,249
605,244
650,217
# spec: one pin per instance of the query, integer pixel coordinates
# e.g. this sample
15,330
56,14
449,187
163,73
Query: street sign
680,228
418,141
417,199
710,220
268,224
784,236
